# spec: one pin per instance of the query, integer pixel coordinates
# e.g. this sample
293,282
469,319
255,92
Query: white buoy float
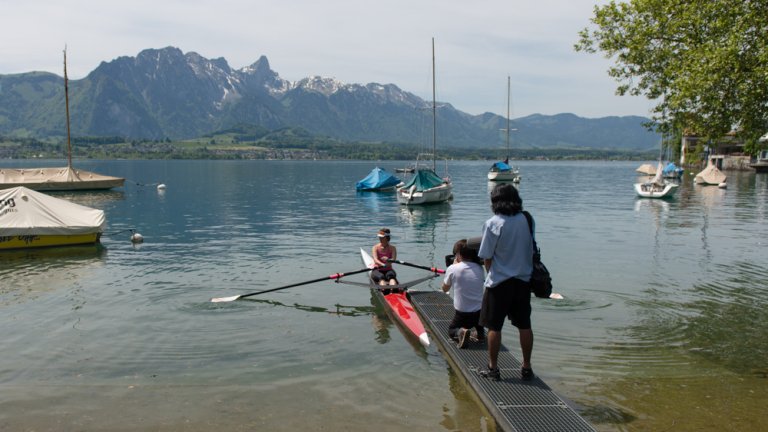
161,186
137,238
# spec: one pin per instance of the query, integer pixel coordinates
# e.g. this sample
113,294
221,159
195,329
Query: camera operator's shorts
509,299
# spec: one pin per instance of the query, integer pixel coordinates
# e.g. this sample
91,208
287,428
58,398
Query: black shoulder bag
541,281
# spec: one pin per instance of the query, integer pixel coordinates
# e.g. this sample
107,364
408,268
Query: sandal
526,374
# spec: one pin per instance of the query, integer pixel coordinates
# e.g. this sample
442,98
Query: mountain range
167,94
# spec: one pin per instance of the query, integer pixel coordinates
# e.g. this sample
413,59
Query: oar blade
224,299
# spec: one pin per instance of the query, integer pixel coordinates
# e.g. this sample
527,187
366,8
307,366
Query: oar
333,276
432,269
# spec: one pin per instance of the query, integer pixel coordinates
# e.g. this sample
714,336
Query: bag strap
529,218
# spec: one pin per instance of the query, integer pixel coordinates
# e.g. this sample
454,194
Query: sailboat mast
509,90
66,99
434,111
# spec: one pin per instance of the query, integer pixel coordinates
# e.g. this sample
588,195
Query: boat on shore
61,178
31,219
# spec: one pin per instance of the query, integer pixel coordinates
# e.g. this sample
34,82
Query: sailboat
58,179
657,187
425,186
502,171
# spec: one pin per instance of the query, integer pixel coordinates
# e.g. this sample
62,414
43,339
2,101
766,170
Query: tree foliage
705,61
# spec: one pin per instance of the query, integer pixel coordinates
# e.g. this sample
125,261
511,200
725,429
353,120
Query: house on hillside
726,153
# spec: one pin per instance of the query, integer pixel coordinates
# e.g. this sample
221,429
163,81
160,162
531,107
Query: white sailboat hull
437,194
503,176
655,190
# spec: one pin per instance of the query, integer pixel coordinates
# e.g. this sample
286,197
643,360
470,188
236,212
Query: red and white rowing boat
395,299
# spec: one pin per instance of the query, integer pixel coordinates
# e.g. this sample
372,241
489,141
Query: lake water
663,325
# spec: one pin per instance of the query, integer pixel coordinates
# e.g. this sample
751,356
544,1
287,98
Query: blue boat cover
378,178
424,179
501,166
670,169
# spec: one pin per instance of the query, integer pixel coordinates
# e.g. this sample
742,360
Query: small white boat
657,187
655,190
502,171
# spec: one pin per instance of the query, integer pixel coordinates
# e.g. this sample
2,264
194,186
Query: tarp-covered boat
710,176
30,219
424,187
502,171
646,169
378,179
57,179
672,171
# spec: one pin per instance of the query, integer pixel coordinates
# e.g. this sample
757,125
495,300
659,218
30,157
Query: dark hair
505,199
468,254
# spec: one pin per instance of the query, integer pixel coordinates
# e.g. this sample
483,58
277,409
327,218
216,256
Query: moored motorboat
30,219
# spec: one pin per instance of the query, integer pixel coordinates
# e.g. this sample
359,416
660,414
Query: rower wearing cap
382,253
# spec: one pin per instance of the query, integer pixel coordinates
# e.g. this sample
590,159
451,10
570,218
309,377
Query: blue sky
478,44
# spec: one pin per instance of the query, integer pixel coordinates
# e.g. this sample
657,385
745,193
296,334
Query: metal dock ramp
516,405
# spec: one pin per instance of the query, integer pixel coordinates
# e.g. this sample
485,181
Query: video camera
472,243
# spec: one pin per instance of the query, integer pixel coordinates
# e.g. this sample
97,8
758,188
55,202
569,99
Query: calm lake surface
663,325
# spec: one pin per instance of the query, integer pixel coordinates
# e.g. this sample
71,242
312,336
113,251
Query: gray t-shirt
507,241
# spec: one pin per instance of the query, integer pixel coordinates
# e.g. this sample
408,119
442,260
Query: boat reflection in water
27,273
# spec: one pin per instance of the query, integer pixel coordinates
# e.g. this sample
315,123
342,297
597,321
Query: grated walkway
516,405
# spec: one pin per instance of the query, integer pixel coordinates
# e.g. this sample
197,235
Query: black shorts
386,275
509,299
465,320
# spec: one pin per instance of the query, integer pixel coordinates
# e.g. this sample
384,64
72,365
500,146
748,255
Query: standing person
382,252
465,276
507,252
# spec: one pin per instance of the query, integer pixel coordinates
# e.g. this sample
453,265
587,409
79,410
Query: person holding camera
465,276
507,252
382,252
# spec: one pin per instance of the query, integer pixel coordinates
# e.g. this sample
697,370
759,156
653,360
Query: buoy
723,185
137,238
161,186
